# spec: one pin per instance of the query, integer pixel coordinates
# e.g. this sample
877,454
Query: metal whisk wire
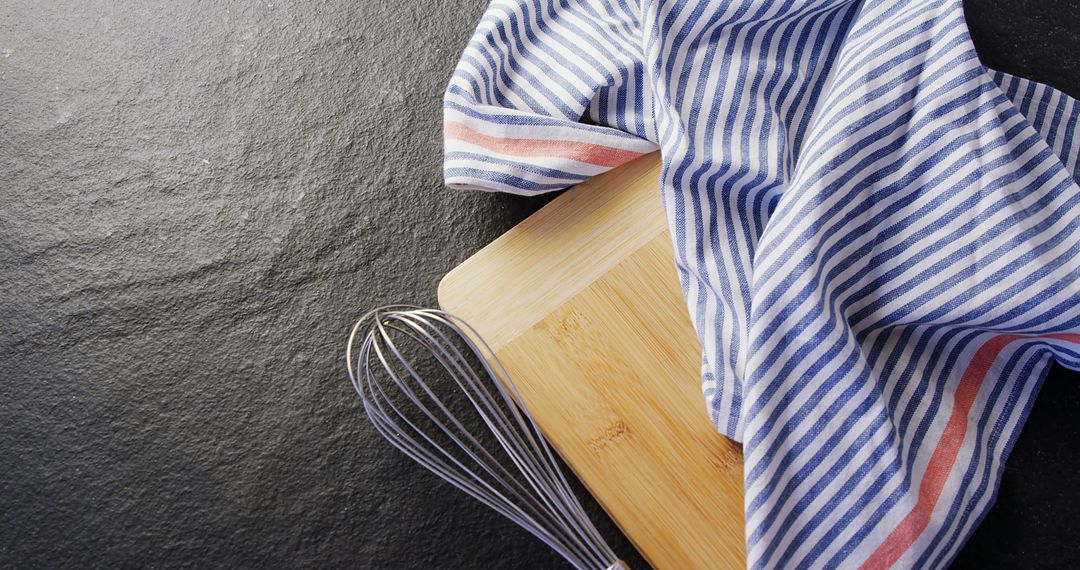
401,402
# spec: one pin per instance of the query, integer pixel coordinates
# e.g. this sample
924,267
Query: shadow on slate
199,199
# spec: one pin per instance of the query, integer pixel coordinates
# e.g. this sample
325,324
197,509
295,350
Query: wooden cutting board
582,304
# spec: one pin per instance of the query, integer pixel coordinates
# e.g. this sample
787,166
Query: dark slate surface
199,198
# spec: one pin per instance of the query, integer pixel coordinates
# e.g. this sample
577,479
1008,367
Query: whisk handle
618,565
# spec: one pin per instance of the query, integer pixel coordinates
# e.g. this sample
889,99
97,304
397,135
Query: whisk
516,474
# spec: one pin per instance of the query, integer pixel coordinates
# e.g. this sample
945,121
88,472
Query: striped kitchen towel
877,236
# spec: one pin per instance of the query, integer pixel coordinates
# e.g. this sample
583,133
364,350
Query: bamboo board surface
582,304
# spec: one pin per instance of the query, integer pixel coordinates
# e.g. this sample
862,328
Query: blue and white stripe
872,231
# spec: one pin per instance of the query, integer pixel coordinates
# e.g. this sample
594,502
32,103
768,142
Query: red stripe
948,447
596,154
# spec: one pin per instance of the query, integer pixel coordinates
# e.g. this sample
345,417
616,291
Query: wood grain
582,304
